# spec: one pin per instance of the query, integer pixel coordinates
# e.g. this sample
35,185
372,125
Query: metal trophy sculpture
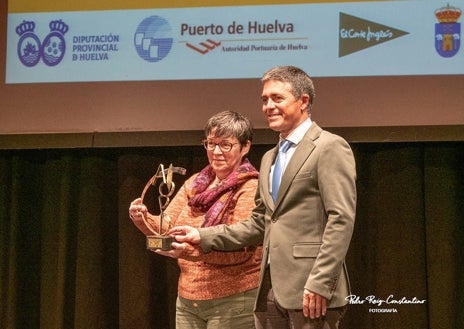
159,240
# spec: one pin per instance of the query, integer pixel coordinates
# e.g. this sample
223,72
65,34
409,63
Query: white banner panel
326,39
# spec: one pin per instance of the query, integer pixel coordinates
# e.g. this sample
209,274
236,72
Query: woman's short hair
230,124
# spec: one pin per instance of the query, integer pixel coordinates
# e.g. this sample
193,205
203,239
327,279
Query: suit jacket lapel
265,172
302,152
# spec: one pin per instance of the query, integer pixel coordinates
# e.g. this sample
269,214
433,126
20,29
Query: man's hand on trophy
185,234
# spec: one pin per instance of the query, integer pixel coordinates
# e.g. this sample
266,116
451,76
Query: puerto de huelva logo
152,39
261,36
51,50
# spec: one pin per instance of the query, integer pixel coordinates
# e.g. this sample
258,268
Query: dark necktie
279,167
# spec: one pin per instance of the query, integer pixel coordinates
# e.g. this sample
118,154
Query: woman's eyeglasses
224,146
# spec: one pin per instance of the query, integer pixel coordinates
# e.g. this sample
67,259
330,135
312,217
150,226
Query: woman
218,289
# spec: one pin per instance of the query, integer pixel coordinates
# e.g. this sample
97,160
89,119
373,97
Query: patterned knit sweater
216,274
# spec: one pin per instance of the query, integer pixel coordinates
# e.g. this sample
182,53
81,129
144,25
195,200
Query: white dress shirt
295,137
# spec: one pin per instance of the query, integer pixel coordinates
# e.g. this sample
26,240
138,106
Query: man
307,226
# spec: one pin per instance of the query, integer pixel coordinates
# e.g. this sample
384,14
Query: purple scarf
217,201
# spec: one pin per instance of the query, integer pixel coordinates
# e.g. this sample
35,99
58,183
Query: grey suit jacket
307,232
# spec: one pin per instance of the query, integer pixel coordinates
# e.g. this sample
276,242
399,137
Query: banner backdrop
229,42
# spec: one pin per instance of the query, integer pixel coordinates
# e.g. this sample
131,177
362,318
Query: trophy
159,240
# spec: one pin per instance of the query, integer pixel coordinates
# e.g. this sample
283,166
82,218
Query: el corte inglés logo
356,34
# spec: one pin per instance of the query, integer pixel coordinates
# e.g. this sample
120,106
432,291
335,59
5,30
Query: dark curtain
71,258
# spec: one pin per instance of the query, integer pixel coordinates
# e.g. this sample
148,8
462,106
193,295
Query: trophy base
159,242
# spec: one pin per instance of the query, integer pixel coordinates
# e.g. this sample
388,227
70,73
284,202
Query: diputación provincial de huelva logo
152,39
447,31
356,34
51,50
